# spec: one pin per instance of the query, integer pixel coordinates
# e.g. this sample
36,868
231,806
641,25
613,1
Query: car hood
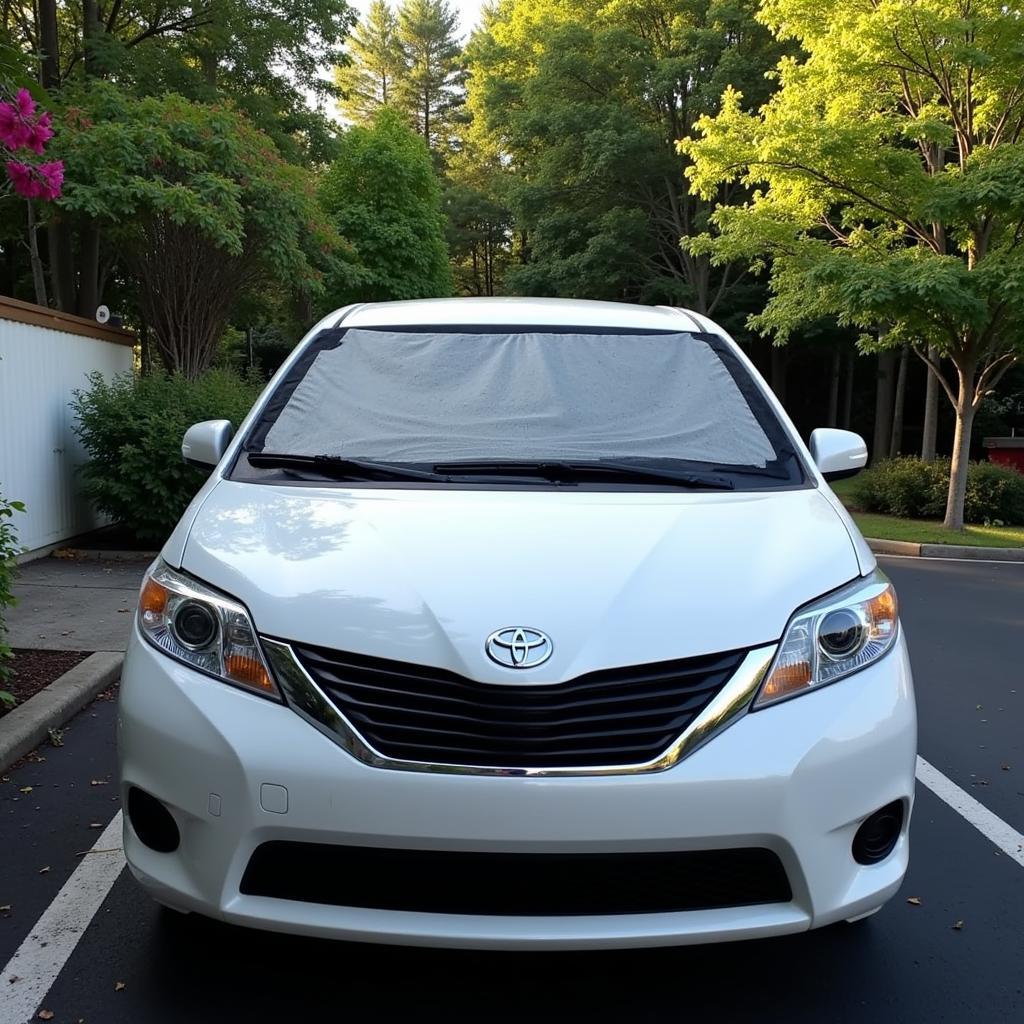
613,578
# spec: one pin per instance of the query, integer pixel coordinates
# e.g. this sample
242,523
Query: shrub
132,427
917,490
995,494
8,549
904,487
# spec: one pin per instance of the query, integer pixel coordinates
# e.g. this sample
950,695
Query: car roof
521,312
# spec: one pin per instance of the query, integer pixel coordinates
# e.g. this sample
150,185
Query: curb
101,555
975,554
24,728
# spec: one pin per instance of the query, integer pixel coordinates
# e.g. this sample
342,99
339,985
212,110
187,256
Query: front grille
619,716
515,884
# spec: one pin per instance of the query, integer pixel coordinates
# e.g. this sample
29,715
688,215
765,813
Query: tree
429,88
585,99
201,205
889,178
370,79
266,55
479,222
383,196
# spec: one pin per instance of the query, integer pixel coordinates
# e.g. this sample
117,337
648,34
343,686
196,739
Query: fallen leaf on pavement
98,782
95,824
5,908
1005,767
119,986
43,871
25,789
915,900
13,978
958,926
46,1014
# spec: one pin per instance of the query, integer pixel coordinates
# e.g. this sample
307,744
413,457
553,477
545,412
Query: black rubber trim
516,884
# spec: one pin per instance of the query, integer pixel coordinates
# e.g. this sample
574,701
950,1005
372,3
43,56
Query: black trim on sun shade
332,337
322,342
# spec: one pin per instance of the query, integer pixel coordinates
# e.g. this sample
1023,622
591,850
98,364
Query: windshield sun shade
450,394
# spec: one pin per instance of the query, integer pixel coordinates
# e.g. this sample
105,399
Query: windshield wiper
338,467
573,472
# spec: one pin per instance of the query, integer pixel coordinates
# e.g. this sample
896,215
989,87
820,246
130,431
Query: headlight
203,628
833,637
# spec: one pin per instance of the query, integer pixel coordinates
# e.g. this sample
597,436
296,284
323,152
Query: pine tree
376,65
430,90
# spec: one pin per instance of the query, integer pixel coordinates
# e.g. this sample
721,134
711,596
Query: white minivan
518,623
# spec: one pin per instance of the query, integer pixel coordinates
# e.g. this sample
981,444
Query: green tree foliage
375,65
132,429
429,88
584,99
889,178
200,205
479,221
383,196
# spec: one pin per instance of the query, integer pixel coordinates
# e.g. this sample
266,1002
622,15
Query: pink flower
42,182
52,174
26,105
24,182
39,134
14,133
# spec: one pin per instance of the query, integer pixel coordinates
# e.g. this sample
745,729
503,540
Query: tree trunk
38,276
851,365
883,404
961,450
901,393
779,373
62,267
49,68
91,30
833,394
89,271
930,427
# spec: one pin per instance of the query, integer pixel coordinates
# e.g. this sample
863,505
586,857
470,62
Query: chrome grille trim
308,700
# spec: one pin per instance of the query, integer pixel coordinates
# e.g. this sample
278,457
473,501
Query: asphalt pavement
955,954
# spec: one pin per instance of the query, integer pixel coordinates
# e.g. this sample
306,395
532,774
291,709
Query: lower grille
619,716
514,884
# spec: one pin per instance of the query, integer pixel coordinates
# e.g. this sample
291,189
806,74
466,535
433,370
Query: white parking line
992,827
51,942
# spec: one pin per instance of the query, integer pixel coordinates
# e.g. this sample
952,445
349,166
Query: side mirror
838,453
204,443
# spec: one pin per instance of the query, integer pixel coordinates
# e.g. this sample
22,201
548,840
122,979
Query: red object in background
1006,451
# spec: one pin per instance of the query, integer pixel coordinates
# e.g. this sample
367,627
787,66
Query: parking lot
949,947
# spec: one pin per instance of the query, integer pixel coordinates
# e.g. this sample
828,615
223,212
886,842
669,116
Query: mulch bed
34,670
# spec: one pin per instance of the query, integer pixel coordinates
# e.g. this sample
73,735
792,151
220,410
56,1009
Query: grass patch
925,531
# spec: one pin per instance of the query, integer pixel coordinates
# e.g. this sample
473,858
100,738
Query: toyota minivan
518,623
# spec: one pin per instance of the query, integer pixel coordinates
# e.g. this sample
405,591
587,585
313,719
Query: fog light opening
153,823
877,835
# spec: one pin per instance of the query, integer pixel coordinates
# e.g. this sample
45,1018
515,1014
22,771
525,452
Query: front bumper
797,778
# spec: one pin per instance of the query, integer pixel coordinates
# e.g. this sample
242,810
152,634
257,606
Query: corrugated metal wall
39,370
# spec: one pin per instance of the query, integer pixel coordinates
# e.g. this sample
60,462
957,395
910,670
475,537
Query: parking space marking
39,959
991,826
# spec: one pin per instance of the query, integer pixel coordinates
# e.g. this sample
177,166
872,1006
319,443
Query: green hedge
9,547
917,490
132,427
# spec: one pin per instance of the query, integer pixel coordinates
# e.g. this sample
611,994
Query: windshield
496,395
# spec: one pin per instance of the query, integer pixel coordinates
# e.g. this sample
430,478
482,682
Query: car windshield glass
449,395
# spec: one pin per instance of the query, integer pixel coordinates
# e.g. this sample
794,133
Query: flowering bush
8,549
24,132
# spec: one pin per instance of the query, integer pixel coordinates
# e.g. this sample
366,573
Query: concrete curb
24,728
903,547
100,555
